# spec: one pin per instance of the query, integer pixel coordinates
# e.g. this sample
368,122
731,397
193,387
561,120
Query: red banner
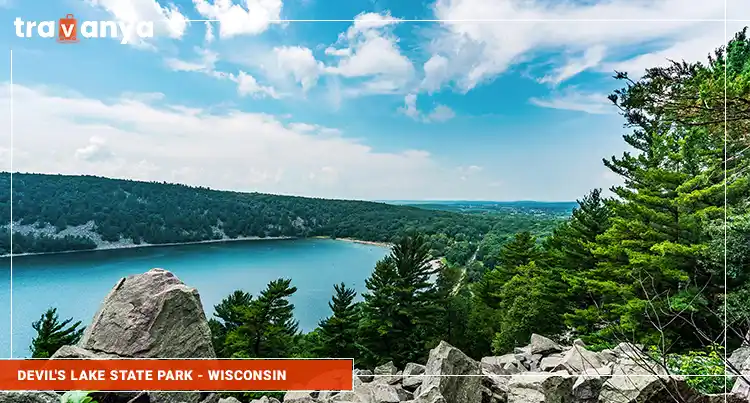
176,375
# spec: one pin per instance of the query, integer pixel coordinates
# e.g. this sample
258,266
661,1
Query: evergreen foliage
51,334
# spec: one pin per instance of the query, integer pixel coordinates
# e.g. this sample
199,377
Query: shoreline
207,241
352,240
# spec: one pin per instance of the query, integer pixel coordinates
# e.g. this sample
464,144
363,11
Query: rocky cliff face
155,315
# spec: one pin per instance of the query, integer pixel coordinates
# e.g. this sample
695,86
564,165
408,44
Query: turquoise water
75,283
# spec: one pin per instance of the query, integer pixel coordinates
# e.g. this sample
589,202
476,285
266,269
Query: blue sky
373,107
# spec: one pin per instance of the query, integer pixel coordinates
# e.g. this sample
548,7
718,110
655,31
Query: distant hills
54,213
557,209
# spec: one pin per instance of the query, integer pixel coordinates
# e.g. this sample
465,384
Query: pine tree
521,250
568,251
650,259
454,305
528,303
267,328
51,334
401,305
230,311
570,245
379,342
338,333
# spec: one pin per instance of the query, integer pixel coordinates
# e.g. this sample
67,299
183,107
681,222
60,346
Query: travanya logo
68,29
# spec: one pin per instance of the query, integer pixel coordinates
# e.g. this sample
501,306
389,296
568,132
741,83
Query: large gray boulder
741,387
389,368
431,394
364,375
371,392
644,382
629,351
550,363
507,364
387,373
150,315
495,387
739,364
589,383
554,387
412,375
81,353
738,361
28,397
578,359
382,393
448,360
182,397
542,345
299,396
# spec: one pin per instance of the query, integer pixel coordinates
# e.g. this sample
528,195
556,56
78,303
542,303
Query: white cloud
168,21
694,49
435,73
410,106
95,150
205,62
466,173
441,113
299,63
200,146
209,33
338,52
574,100
248,85
371,52
591,57
314,129
475,53
254,18
368,22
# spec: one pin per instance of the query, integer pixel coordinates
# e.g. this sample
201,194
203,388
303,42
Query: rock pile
542,372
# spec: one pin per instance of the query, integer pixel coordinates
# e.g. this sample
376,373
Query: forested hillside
551,209
57,213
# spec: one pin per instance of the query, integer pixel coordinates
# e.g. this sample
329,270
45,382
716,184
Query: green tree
401,306
454,302
569,250
338,333
521,250
529,302
231,311
380,314
571,242
652,266
51,334
267,328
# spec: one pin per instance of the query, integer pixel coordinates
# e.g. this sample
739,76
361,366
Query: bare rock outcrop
150,315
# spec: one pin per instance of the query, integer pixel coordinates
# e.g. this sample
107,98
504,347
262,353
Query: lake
76,283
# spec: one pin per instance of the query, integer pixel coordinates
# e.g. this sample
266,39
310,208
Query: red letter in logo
68,30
